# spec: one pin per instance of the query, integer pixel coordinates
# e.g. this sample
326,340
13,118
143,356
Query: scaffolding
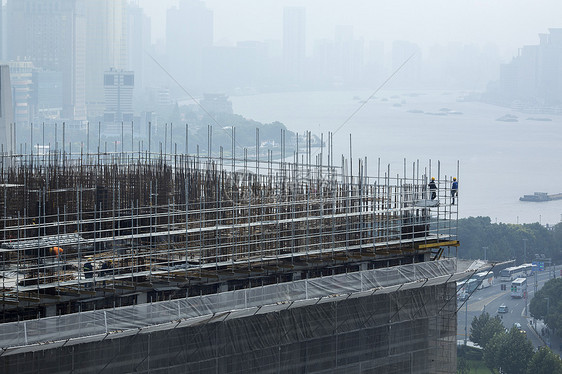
77,223
343,258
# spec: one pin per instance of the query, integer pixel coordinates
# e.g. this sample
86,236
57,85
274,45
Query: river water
499,161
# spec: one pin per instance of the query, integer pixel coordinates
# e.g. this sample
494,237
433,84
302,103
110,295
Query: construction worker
88,270
104,268
57,251
454,189
433,188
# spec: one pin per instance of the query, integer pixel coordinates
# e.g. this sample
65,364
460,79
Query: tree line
480,237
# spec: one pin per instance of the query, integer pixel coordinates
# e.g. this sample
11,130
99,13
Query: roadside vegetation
504,351
547,304
508,241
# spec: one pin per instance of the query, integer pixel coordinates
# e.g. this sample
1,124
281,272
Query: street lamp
465,321
547,305
485,249
524,251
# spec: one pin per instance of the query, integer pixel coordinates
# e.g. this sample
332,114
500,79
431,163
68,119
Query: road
489,299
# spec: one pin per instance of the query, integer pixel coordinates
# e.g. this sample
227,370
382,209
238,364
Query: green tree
544,361
462,366
547,304
477,327
509,352
493,350
483,328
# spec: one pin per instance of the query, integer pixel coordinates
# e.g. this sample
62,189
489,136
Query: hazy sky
507,23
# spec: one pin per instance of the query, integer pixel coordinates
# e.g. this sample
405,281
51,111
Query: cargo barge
541,196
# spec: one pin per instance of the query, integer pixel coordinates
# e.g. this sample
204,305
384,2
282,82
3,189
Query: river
499,161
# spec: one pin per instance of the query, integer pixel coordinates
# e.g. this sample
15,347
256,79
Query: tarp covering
139,316
411,331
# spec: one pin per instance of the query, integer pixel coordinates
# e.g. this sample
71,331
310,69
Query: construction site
151,262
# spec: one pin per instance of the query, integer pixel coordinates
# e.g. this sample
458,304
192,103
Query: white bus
466,288
519,288
509,274
485,279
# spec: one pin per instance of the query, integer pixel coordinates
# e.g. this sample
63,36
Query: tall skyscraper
533,77
50,33
294,43
2,32
139,43
21,74
118,88
6,112
189,32
107,39
348,55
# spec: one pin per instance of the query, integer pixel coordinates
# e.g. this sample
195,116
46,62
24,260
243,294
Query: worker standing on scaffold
454,189
433,188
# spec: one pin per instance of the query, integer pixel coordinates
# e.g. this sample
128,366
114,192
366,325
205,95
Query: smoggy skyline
508,24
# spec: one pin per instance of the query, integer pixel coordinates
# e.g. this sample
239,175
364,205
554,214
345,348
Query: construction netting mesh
270,297
394,320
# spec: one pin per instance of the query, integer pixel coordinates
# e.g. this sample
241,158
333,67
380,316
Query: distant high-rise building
106,38
549,67
51,34
533,78
294,44
6,112
47,96
118,88
348,55
138,44
21,78
2,32
189,32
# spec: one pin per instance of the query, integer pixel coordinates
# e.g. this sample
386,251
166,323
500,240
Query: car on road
503,309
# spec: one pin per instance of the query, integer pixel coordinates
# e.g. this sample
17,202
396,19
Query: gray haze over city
508,24
483,84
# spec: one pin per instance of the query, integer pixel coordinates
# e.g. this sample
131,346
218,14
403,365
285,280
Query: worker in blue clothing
433,188
454,189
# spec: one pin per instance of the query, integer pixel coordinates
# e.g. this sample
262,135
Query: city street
489,299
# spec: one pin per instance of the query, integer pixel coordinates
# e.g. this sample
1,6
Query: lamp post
526,304
547,306
524,251
465,321
485,257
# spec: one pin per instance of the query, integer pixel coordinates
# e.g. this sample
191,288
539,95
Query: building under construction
140,262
